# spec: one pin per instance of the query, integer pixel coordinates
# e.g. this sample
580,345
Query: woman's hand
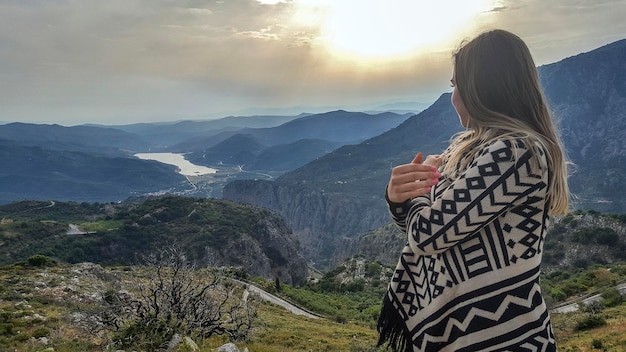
413,180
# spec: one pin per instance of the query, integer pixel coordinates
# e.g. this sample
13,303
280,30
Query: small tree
39,260
175,298
593,316
277,285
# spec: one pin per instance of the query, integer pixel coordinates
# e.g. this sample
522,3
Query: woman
476,216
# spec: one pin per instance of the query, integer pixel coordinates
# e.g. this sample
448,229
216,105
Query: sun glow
386,29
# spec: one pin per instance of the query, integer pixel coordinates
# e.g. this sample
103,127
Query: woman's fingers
400,194
434,160
418,158
414,172
412,180
404,186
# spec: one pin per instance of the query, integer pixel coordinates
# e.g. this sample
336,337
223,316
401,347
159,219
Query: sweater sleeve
493,183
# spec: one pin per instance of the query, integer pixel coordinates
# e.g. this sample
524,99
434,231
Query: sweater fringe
392,328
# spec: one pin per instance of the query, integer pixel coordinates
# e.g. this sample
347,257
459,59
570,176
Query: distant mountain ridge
54,172
37,173
163,135
335,126
106,141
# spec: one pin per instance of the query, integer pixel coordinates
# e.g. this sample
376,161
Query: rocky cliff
315,216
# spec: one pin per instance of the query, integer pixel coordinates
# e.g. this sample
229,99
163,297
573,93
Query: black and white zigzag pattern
468,278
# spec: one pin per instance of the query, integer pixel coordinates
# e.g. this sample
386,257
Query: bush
178,299
41,332
39,260
597,344
6,329
590,321
611,297
558,294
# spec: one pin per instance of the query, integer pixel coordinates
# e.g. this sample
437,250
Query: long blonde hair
497,81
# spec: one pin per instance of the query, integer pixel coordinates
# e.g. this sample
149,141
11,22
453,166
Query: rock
174,342
189,343
229,347
23,305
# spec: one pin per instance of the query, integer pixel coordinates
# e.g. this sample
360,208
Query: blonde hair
497,81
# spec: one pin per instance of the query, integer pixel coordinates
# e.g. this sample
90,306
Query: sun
381,29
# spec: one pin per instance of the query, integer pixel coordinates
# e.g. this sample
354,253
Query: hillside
215,232
50,306
587,93
578,240
31,172
88,139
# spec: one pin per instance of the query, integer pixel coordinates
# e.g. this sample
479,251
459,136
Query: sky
116,62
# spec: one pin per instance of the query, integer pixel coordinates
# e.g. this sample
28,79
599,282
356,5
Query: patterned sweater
468,278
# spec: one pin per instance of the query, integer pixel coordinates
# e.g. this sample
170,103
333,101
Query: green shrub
590,321
147,334
41,332
6,329
611,297
597,344
39,260
558,294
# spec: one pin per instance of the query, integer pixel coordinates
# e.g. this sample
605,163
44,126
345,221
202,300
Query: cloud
196,11
560,28
92,60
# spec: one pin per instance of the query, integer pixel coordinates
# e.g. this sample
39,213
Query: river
184,166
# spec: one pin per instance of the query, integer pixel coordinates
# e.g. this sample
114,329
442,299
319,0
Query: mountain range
342,193
96,163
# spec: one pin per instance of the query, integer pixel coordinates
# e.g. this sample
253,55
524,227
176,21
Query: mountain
98,140
341,194
292,155
96,163
245,150
36,173
235,150
162,135
210,232
336,126
587,93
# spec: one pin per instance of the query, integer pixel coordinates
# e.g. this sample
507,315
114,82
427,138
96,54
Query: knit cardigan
468,277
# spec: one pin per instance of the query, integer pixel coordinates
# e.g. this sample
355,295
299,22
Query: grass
608,338
39,309
281,331
101,225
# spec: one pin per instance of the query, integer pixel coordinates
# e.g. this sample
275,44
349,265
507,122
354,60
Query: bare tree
175,298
